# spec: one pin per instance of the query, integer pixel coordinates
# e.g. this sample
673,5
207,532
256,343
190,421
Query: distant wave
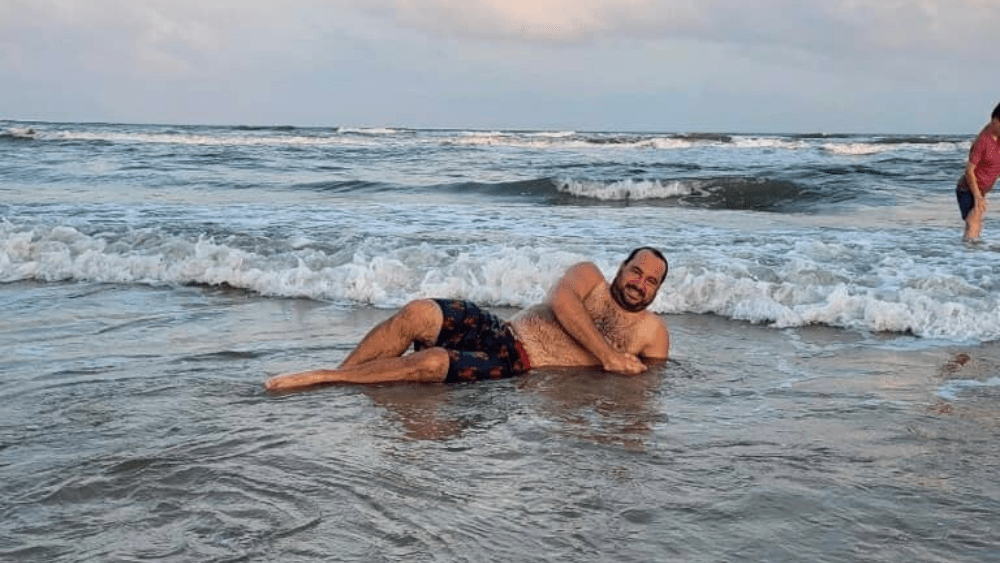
345,186
285,128
18,133
725,192
501,138
196,138
769,143
626,190
737,192
551,134
370,130
908,140
822,136
837,144
747,193
290,136
893,145
571,140
669,140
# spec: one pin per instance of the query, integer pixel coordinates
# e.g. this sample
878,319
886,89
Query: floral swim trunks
479,344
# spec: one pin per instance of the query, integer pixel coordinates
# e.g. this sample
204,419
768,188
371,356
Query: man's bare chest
618,327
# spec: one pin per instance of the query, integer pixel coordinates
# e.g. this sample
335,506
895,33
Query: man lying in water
583,322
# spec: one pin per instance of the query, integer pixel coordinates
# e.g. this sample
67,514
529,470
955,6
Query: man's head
996,113
639,278
995,120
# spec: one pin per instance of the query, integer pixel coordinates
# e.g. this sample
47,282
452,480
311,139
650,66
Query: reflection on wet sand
599,407
589,405
419,409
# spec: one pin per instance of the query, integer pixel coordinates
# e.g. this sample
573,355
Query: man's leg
379,357
973,225
972,215
429,365
417,321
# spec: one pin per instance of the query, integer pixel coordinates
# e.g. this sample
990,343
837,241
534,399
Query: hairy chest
618,327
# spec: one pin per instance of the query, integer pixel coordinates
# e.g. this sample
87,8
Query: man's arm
566,299
970,179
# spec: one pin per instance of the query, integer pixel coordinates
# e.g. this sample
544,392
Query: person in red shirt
981,173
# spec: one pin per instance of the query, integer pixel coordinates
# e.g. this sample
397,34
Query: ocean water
832,393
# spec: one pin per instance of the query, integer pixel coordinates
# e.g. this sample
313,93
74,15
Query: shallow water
137,437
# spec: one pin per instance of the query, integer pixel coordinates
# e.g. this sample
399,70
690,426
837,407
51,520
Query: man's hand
621,362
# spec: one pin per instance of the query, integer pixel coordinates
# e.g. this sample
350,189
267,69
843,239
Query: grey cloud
836,25
832,26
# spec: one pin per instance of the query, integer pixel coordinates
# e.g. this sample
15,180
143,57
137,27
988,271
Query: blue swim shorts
479,344
965,201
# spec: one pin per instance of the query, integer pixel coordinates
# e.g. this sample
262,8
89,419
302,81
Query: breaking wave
785,285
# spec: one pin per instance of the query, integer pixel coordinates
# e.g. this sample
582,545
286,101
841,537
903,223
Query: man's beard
618,294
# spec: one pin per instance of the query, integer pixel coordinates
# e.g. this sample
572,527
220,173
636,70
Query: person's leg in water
972,216
379,356
973,225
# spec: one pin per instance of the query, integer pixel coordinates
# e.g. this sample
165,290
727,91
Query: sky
735,66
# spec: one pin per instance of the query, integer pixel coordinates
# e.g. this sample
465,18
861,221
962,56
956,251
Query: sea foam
811,284
621,190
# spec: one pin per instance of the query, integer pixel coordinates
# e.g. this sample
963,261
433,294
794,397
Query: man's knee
422,319
430,364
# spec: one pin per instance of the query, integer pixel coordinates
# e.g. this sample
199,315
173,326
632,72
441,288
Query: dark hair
996,112
657,253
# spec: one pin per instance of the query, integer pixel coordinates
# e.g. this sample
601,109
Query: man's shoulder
585,268
586,276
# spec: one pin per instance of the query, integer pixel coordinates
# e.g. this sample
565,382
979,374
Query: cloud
98,35
152,37
537,20
167,31
848,25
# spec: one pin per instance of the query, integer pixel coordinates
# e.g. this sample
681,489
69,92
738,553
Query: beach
831,393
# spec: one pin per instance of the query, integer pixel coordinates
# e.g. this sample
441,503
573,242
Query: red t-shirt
985,155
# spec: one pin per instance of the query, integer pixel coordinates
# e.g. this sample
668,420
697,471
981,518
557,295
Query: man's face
637,281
